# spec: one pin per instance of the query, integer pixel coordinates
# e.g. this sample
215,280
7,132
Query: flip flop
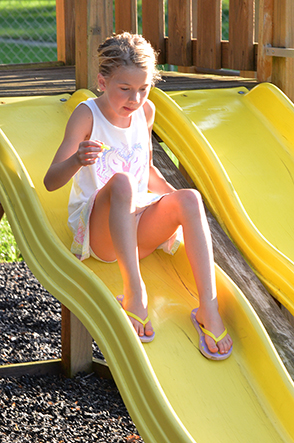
144,338
202,343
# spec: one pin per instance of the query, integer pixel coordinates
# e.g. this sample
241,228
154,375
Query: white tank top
129,152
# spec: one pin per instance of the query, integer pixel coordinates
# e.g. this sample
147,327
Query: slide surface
238,147
173,394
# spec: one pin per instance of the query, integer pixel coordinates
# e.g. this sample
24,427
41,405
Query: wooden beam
153,26
241,18
65,31
81,43
179,32
283,37
76,345
126,16
280,52
264,62
39,368
93,25
100,26
209,34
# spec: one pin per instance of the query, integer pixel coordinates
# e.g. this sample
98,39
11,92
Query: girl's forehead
128,74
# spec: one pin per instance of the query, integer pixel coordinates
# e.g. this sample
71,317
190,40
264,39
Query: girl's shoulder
149,109
80,121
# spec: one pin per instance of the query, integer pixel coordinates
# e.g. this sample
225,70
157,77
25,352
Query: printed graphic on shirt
133,160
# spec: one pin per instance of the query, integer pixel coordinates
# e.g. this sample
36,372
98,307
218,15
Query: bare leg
113,235
159,222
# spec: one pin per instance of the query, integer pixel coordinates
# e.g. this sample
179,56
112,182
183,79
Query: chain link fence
27,31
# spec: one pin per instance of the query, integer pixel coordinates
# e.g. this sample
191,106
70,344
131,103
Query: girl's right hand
88,152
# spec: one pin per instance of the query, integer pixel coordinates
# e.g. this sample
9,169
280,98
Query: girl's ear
101,82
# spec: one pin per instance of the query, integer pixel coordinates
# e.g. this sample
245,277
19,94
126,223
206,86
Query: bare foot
211,320
138,307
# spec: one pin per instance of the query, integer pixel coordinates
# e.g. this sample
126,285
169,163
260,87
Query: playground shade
172,392
238,147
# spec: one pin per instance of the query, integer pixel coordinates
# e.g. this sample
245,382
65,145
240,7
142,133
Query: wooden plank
81,32
100,26
179,32
41,81
126,16
153,26
65,30
288,315
101,369
47,367
209,34
265,38
93,25
76,345
61,79
241,18
283,37
203,81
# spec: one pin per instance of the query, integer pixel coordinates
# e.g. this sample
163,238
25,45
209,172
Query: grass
9,251
29,21
25,53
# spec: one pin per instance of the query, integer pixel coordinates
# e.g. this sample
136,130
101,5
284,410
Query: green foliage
225,19
9,251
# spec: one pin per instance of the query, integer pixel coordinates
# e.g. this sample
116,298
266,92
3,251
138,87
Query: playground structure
168,415
194,35
168,387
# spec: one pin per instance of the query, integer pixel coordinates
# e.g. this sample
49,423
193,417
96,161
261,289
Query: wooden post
153,25
126,16
264,62
241,53
81,27
76,345
93,25
283,37
209,34
180,32
65,29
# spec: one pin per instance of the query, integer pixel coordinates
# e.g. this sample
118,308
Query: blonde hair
127,50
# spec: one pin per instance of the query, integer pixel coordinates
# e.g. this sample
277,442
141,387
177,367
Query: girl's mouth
128,109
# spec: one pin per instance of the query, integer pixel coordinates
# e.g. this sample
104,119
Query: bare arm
75,151
157,182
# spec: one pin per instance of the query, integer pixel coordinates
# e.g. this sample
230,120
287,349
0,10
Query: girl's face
124,92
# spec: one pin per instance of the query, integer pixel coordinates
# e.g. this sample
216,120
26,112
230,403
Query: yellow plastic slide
238,147
173,394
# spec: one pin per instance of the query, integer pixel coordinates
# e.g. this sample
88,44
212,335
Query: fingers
89,151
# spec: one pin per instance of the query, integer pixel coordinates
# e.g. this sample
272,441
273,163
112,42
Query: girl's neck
114,119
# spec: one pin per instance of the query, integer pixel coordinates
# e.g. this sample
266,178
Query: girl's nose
135,97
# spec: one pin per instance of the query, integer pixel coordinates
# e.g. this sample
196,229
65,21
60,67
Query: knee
190,197
190,200
123,185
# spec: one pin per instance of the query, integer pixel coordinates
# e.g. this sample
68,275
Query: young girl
107,149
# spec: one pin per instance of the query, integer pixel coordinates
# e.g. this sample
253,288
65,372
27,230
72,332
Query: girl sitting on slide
107,150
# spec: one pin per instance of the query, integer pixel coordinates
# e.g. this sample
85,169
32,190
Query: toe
139,329
148,329
211,344
225,345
